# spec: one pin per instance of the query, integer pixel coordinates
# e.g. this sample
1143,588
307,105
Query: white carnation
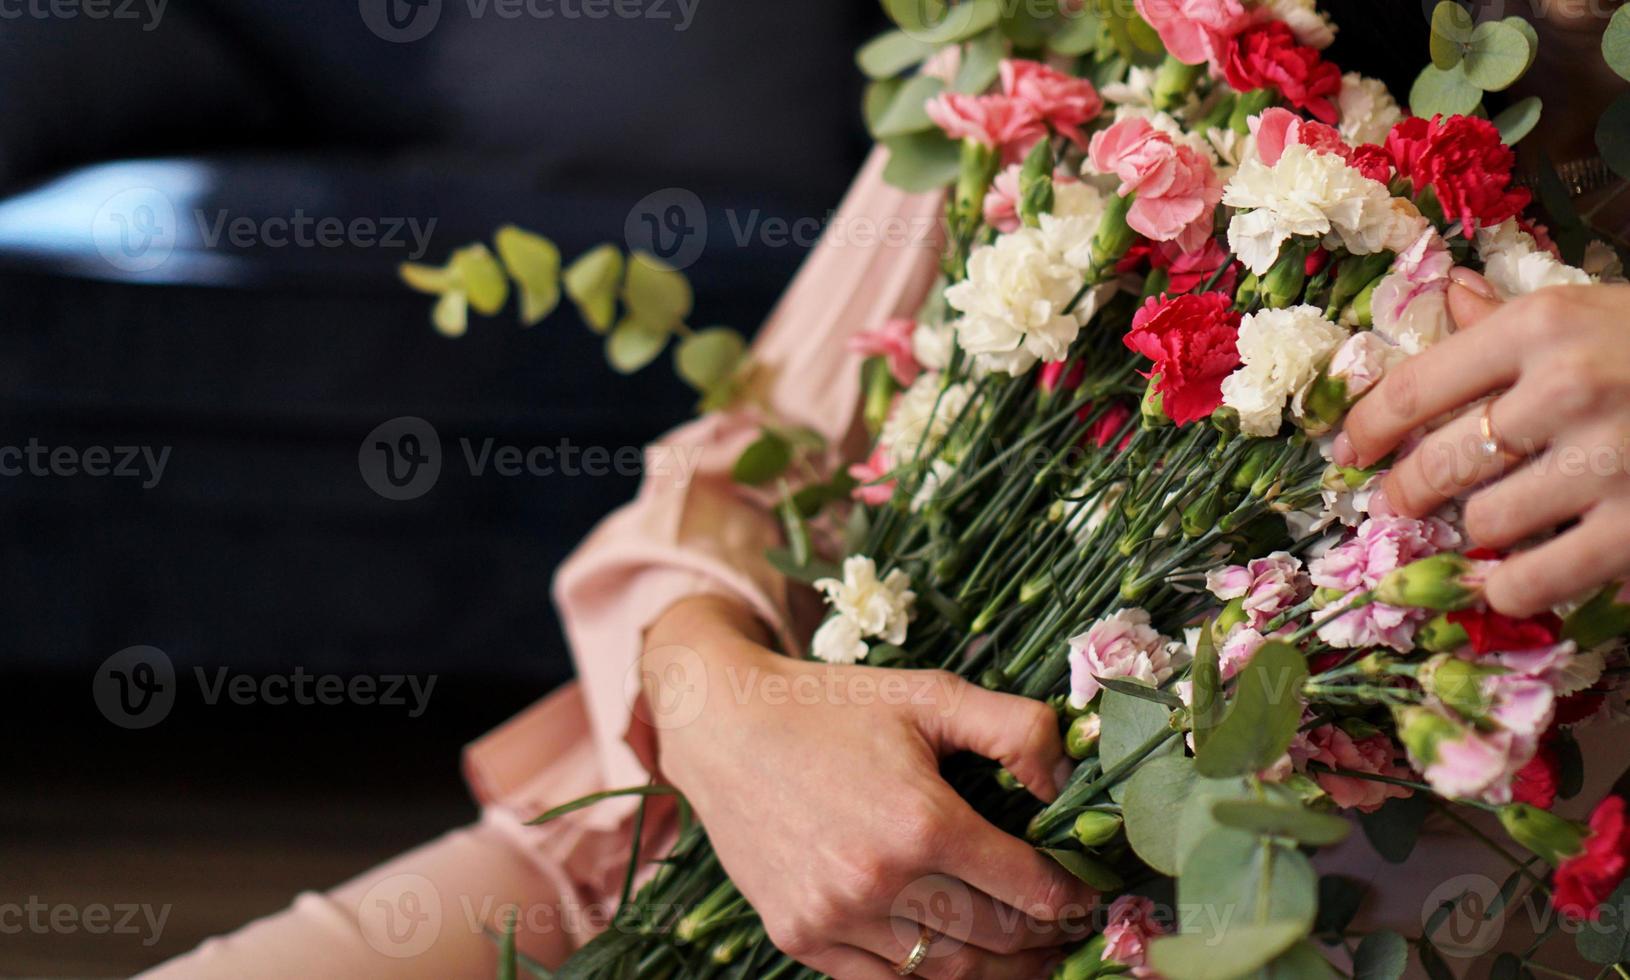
1304,20
864,606
1368,110
1282,352
1515,264
1013,302
923,414
1068,230
1308,194
932,345
1602,263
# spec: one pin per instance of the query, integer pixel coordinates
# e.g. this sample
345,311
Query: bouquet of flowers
1180,246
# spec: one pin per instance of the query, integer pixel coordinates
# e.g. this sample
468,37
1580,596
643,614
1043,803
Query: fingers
1020,733
1471,299
1592,553
949,958
1551,489
847,961
1014,873
960,914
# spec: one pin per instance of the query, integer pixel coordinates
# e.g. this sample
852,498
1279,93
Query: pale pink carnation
1132,925
1375,755
1268,585
1362,361
1411,304
1194,31
1063,101
1002,201
1123,646
1237,651
1278,128
1177,190
996,121
1478,765
1380,545
867,474
891,341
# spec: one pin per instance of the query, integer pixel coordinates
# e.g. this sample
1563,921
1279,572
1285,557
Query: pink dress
691,530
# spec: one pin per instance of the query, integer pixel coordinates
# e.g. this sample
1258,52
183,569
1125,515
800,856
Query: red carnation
1586,880
1267,56
1464,161
1192,340
1536,782
1372,161
1492,632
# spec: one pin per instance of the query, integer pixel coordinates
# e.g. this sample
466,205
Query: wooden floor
209,820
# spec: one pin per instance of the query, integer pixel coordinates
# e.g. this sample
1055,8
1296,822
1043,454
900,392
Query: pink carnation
1362,360
1132,924
1123,646
868,474
891,341
1177,191
1002,201
1412,301
1358,564
1001,123
1063,101
1278,128
1479,766
1375,755
1268,585
1194,31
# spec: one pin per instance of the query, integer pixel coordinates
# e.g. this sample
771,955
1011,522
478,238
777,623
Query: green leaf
920,162
1282,820
877,99
482,278
534,263
1518,119
1613,135
1157,790
783,561
1093,872
1607,940
506,949
1432,963
981,63
934,22
1247,948
1263,718
1393,829
593,798
1507,966
908,112
1129,723
1206,675
1231,882
1451,32
1195,822
451,315
1528,32
1077,32
426,278
891,53
1616,43
1571,765
1448,93
1497,57
1382,955
709,356
591,282
1302,961
1339,899
1143,692
767,458
655,292
634,343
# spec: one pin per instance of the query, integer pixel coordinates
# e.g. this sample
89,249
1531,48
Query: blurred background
234,669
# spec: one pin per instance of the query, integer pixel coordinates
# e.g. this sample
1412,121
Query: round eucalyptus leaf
762,461
1616,42
1245,950
919,162
478,272
1077,31
1518,119
1451,32
635,343
891,53
1497,57
1382,955
426,278
533,261
1444,93
878,97
591,282
936,22
1613,136
1532,35
981,63
908,112
709,356
655,293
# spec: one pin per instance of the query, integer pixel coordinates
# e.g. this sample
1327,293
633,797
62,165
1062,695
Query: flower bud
1095,828
1081,740
1542,832
1324,404
1438,635
1247,292
1086,963
1362,313
1445,582
1457,683
1602,618
1174,82
1115,236
1421,729
1233,614
1348,478
1283,284
978,169
1354,274
1325,596
1201,515
1036,184
1152,407
1258,459
1008,781
880,388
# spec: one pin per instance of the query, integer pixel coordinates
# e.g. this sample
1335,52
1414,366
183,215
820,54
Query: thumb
1471,299
1020,733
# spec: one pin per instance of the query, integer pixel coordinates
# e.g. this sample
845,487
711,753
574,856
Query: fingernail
1379,505
1475,283
1062,774
1343,452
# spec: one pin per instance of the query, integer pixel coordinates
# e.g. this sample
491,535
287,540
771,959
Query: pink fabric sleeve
691,529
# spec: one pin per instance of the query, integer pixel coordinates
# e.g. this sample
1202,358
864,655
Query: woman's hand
820,789
1561,434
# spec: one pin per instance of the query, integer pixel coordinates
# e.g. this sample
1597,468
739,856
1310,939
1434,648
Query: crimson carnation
1464,161
1492,632
1536,783
1193,341
1586,880
1267,56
